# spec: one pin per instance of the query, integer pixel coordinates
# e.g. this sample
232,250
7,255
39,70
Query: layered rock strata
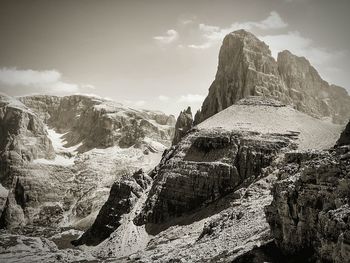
207,165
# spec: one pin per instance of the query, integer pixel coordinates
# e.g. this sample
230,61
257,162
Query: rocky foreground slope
246,68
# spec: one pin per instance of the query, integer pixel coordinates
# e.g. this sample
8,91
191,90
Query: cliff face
206,165
310,211
247,68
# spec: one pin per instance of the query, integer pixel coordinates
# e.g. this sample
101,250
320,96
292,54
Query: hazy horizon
159,55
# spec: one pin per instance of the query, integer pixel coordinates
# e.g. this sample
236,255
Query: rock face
206,165
122,198
61,155
183,124
246,68
310,211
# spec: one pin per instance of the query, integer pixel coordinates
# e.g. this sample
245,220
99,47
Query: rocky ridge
246,68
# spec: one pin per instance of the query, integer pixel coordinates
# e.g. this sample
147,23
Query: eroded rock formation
246,68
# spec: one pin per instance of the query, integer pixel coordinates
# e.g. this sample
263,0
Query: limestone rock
183,124
246,68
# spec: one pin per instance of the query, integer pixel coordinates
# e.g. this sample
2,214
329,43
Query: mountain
88,179
61,155
246,68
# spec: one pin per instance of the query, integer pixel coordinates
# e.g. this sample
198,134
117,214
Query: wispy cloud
170,36
48,80
301,46
214,34
163,98
134,103
190,98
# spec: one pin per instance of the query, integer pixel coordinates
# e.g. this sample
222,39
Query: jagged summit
246,68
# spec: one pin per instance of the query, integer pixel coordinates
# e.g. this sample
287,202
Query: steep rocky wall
204,166
310,211
246,68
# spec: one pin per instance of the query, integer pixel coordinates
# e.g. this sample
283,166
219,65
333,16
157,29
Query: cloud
190,98
133,103
88,86
186,21
47,80
170,36
163,98
301,46
214,34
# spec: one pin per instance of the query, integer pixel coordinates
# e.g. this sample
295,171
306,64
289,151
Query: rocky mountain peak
183,124
246,68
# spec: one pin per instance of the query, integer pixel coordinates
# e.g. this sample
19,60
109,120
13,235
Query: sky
156,54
